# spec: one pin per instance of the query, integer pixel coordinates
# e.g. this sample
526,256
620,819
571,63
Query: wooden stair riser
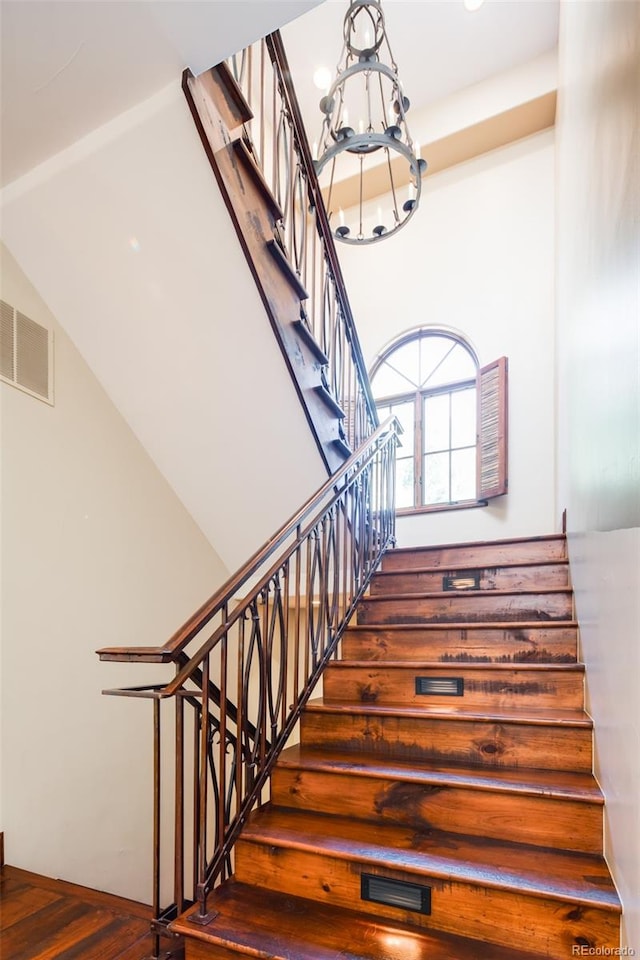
466,607
519,818
477,554
553,643
487,578
493,744
545,924
480,687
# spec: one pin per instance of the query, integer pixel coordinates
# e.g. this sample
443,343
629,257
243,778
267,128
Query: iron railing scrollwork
238,696
280,147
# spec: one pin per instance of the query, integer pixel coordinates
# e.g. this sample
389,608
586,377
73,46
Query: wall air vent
440,686
395,893
26,353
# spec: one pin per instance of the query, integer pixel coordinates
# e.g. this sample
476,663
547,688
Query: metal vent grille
26,353
440,686
396,893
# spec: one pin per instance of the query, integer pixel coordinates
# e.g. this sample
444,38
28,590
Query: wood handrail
170,651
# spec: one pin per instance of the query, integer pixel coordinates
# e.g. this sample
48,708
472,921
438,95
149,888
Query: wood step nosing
409,665
451,568
287,270
423,864
305,334
469,625
481,543
342,446
350,708
241,151
233,92
329,401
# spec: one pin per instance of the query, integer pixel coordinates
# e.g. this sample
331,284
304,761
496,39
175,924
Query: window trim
440,507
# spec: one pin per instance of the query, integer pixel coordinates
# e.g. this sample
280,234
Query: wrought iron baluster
178,875
157,811
201,890
222,732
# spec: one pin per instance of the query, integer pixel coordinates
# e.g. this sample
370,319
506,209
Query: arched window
430,380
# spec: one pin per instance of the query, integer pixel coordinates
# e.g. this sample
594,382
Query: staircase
263,167
440,803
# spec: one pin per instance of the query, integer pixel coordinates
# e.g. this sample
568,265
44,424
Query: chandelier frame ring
367,140
380,140
374,65
356,6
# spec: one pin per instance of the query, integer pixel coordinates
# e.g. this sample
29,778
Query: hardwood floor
44,919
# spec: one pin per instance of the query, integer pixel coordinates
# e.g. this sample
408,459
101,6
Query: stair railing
238,697
280,146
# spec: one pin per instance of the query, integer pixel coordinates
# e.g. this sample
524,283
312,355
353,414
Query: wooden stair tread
468,624
267,924
531,871
242,152
236,100
287,269
556,784
449,665
530,715
480,543
457,567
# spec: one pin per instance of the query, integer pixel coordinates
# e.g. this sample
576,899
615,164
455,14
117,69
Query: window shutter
492,430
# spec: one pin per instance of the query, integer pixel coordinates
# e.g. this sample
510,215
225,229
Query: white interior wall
484,99
478,258
599,395
127,238
96,551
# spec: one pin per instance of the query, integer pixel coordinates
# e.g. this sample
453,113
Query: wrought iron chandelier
369,167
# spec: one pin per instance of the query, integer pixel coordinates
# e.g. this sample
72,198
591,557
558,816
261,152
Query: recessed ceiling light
473,5
322,78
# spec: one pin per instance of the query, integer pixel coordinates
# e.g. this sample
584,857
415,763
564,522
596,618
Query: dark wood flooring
44,919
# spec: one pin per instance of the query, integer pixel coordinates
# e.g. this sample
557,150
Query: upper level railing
281,148
237,698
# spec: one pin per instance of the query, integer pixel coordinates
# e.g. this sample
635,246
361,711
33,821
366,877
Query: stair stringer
219,112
